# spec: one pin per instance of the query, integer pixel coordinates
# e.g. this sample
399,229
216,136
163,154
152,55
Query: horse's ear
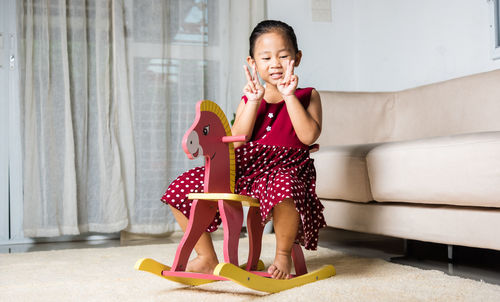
198,106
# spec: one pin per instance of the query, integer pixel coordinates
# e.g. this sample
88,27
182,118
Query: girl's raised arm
306,122
247,112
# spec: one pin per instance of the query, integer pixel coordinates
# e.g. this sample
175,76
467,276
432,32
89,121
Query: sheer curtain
108,89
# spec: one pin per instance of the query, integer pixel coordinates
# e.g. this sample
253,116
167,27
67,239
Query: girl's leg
286,224
207,258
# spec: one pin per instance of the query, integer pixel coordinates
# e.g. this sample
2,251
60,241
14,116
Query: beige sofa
422,163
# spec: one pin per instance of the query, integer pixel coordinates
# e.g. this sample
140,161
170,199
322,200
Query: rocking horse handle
234,138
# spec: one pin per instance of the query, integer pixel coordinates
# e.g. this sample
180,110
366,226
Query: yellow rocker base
156,268
253,281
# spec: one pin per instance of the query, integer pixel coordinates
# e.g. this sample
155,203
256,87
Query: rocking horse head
210,137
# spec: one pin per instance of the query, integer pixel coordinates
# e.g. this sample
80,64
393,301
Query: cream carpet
107,274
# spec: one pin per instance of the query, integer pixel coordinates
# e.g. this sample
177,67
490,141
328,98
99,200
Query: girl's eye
206,130
265,59
284,57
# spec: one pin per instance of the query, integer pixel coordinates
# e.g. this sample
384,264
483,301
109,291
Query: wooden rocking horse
210,136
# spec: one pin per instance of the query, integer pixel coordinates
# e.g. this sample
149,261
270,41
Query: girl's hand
253,90
288,84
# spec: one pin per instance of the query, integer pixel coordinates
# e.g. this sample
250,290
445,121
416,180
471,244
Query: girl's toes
272,269
276,274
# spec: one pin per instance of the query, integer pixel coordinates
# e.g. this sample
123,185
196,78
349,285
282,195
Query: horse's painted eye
206,130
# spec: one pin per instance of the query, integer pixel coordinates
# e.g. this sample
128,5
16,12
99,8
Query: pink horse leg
231,214
255,229
201,215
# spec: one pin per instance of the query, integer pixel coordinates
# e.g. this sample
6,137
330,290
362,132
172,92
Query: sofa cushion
356,117
461,105
458,170
341,172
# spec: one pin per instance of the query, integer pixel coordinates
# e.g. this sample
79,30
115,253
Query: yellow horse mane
210,106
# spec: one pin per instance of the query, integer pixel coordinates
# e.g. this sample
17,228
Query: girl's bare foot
281,267
201,264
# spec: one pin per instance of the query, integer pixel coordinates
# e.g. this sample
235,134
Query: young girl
274,166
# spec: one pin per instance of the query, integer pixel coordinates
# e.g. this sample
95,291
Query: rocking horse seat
245,200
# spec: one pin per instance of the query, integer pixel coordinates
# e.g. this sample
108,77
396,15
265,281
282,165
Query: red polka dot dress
273,166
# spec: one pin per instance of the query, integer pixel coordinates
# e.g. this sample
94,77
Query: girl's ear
250,61
298,57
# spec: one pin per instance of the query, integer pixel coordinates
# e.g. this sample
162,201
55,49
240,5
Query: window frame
11,190
495,28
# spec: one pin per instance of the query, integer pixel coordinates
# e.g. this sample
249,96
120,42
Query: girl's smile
277,75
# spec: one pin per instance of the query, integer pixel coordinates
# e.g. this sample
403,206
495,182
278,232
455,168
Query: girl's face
271,53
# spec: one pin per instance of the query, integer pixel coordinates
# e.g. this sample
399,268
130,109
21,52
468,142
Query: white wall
386,45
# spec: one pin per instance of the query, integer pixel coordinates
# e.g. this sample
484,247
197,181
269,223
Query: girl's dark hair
268,26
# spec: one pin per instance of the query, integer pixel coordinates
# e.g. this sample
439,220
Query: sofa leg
409,248
450,259
416,250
